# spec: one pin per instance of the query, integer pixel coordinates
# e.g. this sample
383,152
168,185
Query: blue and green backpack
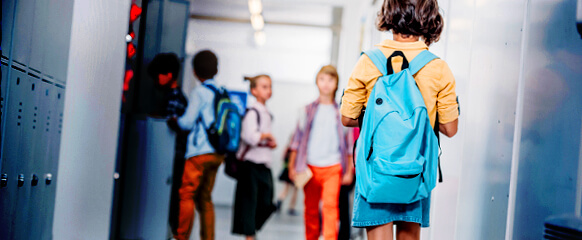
224,132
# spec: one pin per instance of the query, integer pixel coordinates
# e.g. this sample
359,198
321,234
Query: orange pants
195,192
324,185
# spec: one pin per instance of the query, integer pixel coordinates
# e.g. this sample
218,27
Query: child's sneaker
292,212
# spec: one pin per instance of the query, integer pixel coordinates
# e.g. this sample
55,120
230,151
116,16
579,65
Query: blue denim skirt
374,214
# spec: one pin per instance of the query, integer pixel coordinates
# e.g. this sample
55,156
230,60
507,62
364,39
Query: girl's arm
349,122
250,133
348,177
188,119
291,165
449,129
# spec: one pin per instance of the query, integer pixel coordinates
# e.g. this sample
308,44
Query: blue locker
10,149
40,158
23,21
56,44
7,24
3,91
57,107
174,27
39,35
25,162
146,204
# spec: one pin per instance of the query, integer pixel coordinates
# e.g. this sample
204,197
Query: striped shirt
300,141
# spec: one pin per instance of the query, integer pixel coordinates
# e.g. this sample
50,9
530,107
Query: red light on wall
132,34
127,79
131,50
134,13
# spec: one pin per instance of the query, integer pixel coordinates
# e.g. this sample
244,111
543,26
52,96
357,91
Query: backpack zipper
371,149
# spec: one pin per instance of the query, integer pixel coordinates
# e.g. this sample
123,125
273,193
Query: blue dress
375,214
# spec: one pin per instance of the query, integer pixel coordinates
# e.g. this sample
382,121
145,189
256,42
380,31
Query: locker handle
169,180
48,179
34,181
20,180
4,180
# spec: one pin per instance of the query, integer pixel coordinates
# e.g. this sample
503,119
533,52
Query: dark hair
164,63
205,64
412,17
254,79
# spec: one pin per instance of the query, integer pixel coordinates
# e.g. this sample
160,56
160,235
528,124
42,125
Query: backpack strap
378,59
258,115
216,92
416,64
211,87
420,61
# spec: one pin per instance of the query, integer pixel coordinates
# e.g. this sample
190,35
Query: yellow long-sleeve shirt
435,81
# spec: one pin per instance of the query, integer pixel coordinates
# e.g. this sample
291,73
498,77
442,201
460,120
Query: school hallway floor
279,227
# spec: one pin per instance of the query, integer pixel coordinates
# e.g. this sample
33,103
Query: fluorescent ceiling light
255,7
258,22
260,38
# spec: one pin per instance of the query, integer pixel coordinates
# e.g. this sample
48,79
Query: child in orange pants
320,145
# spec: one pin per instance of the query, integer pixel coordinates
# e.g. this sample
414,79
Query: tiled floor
279,227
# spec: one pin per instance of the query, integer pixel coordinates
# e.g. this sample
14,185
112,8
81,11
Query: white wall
91,118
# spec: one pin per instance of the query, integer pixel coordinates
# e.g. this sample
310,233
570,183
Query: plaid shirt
176,103
301,138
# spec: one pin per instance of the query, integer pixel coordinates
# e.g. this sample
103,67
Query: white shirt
251,135
201,104
323,147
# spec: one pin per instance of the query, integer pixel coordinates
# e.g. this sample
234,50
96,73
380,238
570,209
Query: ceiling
303,12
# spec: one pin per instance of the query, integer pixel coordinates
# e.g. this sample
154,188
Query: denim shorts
374,214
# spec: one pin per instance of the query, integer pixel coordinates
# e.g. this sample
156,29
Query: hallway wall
92,107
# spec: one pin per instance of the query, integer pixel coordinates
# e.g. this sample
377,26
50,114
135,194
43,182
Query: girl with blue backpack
253,203
400,92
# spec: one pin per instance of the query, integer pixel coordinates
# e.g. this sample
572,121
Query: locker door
10,150
3,90
158,165
25,163
56,45
40,159
57,106
7,21
23,21
173,32
39,35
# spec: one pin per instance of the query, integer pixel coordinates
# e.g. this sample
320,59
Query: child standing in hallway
253,203
164,69
409,21
202,160
320,145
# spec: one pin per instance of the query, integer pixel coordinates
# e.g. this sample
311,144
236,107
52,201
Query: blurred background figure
202,157
289,186
165,69
253,203
320,146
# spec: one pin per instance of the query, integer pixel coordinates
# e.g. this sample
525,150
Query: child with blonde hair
253,203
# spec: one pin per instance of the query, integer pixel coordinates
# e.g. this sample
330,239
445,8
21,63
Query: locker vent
563,227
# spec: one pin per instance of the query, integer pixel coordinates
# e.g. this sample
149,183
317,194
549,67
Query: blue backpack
224,132
397,152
